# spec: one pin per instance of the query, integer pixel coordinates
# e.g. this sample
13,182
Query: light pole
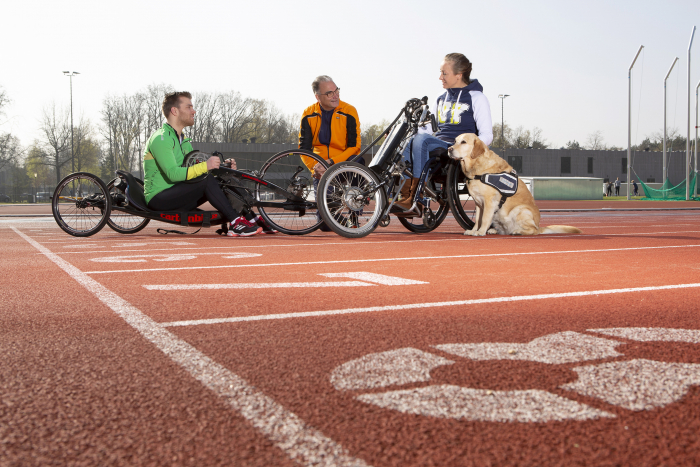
665,169
502,97
629,120
70,75
687,139
696,139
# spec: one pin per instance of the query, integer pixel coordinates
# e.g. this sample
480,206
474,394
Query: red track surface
99,369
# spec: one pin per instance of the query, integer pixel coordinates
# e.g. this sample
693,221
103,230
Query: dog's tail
550,229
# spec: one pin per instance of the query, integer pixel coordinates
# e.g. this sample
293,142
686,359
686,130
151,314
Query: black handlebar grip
424,100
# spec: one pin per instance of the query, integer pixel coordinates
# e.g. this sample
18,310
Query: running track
392,350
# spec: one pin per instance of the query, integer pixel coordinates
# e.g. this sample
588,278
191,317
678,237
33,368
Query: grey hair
320,79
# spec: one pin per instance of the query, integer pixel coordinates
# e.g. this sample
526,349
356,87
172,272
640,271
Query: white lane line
272,285
301,442
308,314
643,233
171,257
454,238
376,278
413,258
380,279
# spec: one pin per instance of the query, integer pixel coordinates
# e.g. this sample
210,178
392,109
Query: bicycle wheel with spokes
289,171
119,221
348,200
435,212
81,204
461,202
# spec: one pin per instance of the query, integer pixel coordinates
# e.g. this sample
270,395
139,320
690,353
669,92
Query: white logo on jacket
455,109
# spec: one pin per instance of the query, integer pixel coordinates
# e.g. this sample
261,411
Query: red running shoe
242,227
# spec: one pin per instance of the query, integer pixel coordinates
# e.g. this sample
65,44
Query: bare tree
522,138
123,118
10,150
208,117
86,149
9,145
237,113
595,141
55,143
538,141
504,139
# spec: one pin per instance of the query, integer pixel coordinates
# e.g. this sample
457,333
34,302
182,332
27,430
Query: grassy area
641,198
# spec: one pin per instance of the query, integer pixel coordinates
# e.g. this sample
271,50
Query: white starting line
411,306
408,258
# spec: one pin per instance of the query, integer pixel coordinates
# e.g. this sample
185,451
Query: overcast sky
564,63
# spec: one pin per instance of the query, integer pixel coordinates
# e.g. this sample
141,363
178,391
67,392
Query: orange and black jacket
345,134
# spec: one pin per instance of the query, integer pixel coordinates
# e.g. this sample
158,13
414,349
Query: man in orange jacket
330,127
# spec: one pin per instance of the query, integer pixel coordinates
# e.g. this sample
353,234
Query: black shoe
266,229
324,228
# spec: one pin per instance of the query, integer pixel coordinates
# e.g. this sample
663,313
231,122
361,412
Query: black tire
81,204
120,221
287,170
419,224
461,203
340,204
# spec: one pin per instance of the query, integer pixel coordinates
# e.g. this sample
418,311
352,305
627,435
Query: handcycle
281,191
354,199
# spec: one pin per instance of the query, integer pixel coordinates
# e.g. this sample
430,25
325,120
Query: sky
564,64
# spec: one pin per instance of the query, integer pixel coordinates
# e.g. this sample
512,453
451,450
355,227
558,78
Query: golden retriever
519,215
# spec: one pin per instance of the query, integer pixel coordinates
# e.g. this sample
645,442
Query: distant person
164,177
617,186
605,189
329,128
636,188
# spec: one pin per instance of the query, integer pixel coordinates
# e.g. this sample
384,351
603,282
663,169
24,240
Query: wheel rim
348,203
439,211
79,204
462,200
121,221
281,171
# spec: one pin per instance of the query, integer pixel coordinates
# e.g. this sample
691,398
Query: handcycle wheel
120,221
461,202
348,200
288,171
421,224
81,204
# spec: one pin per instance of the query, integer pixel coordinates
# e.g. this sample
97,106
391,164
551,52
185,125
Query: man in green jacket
164,175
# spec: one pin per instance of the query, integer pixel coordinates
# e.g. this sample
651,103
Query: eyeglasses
331,93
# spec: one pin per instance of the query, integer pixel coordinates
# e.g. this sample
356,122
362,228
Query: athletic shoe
266,229
242,227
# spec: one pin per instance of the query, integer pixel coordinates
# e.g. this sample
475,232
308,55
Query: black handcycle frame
124,194
385,176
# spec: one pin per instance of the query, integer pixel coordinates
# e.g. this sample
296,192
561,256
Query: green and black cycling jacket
162,161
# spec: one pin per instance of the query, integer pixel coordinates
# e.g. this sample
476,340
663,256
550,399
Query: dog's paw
492,231
469,232
479,233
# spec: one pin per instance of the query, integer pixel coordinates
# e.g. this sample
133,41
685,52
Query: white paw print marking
636,384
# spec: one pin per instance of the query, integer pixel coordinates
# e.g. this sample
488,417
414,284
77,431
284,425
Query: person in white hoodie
463,108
